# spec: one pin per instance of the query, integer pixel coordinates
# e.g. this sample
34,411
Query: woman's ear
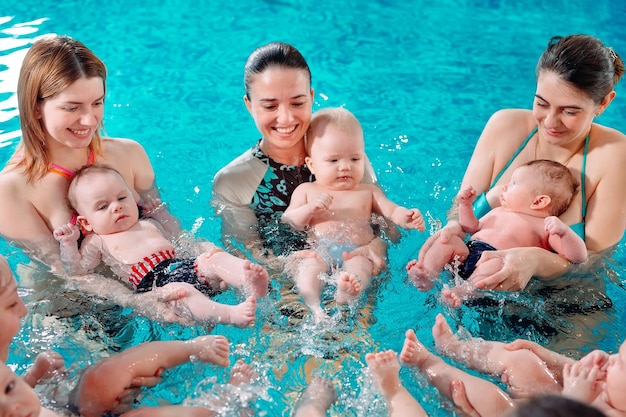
82,221
247,103
541,201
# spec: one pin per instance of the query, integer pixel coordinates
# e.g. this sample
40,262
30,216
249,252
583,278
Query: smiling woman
60,93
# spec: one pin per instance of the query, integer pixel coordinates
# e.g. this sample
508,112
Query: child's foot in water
418,275
243,314
385,369
413,352
242,373
316,398
348,287
256,278
214,349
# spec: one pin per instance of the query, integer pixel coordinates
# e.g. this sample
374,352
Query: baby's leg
236,272
354,278
486,398
316,398
385,369
523,371
102,385
204,310
443,252
306,267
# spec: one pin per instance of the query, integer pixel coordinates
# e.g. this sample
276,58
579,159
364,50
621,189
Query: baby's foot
243,314
212,349
242,373
413,352
348,287
450,297
419,276
319,395
446,341
385,370
255,278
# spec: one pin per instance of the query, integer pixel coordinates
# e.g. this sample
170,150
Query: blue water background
422,77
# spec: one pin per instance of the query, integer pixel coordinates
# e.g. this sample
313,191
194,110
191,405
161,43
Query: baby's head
541,184
615,384
555,180
12,309
334,143
18,398
553,406
102,200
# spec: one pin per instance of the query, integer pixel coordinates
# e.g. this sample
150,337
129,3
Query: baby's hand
597,358
322,202
466,195
68,233
579,382
555,226
415,220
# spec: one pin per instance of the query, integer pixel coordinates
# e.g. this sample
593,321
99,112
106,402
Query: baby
539,191
141,255
336,209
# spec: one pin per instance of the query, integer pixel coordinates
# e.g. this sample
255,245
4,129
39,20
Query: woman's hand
512,269
452,228
459,397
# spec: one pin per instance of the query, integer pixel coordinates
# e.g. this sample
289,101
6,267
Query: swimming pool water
422,78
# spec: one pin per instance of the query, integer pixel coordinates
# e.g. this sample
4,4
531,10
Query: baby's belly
356,233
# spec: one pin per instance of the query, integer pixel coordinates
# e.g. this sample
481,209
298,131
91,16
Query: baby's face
105,203
17,398
615,385
12,309
338,159
520,192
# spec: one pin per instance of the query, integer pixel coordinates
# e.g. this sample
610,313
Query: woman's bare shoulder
121,145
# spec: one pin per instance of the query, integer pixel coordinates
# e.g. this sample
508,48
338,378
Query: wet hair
554,406
275,54
557,181
83,173
342,119
50,66
584,62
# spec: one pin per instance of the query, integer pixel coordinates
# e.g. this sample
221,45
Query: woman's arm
516,267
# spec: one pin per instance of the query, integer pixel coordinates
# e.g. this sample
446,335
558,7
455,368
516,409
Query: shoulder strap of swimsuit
64,172
508,164
582,179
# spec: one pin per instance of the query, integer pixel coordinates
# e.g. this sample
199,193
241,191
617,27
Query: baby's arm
467,218
73,260
401,216
564,240
301,211
46,365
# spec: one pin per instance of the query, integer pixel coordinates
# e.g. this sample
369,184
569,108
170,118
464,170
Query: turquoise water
422,78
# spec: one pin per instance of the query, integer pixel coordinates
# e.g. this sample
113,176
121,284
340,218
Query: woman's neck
559,153
293,156
69,158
